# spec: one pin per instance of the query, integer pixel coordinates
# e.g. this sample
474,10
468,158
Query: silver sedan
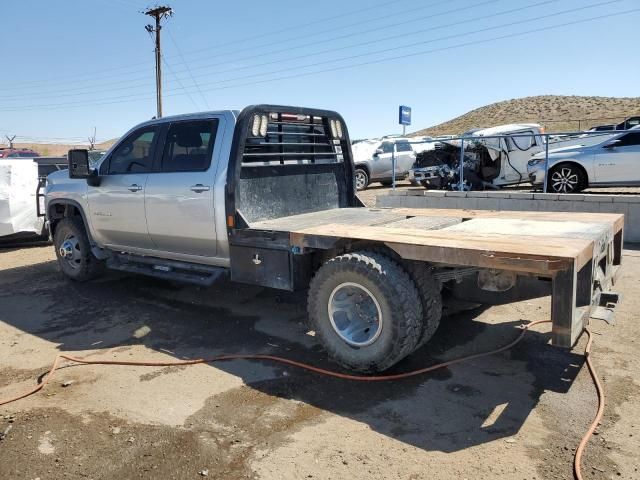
611,162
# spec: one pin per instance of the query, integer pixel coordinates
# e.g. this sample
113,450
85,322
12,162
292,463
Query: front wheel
566,178
74,252
362,179
365,310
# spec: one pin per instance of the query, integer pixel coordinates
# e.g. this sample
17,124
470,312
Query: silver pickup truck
267,197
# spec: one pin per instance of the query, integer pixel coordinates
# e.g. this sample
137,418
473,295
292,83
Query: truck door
179,196
116,207
619,161
520,149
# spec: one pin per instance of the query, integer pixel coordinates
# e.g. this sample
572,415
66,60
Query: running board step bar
172,270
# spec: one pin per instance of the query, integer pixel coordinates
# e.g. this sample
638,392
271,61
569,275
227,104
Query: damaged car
493,157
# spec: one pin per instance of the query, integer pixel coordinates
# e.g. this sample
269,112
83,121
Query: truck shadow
447,410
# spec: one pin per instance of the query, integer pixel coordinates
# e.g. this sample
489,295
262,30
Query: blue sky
73,65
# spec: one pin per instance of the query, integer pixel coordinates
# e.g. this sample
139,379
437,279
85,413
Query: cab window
387,147
135,154
189,146
403,147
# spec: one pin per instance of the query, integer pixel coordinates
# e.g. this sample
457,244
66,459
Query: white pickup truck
267,197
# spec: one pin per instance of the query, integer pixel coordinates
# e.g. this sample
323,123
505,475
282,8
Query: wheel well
58,211
363,166
576,165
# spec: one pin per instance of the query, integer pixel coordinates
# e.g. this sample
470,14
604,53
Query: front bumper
536,174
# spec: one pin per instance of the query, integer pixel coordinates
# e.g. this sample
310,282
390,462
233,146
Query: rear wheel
430,296
362,179
366,311
74,252
566,178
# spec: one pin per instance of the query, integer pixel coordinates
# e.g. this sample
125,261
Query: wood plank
424,223
347,216
536,228
511,252
615,219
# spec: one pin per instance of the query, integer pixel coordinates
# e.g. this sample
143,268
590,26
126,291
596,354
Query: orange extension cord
372,378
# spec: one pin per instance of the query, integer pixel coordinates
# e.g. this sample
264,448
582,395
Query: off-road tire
399,302
362,172
88,266
431,297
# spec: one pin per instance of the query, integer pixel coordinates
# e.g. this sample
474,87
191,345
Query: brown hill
57,149
557,113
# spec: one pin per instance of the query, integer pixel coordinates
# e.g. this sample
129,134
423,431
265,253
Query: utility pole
10,140
159,13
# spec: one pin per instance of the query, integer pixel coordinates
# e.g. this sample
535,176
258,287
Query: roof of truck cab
189,116
511,127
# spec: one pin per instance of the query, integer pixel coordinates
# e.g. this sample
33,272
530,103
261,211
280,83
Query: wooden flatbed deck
564,246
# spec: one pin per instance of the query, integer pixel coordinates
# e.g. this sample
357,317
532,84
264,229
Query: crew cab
267,197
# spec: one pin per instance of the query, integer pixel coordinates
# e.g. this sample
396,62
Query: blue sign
404,115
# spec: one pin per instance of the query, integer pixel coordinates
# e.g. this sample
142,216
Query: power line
180,83
136,66
127,87
401,47
376,61
288,48
286,60
188,69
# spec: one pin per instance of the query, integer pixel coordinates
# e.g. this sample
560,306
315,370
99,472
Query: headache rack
291,139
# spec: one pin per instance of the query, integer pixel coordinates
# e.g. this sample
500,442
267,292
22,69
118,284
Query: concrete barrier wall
629,205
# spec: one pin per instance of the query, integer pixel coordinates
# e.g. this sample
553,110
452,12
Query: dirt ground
515,415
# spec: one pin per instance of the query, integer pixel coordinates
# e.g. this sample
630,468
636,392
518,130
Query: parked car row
502,156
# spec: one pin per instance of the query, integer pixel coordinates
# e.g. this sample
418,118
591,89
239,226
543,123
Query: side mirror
79,167
378,152
78,163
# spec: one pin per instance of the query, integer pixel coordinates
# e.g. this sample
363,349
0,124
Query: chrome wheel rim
361,180
355,314
70,251
564,180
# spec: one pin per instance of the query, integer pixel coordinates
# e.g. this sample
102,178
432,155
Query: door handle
134,187
199,188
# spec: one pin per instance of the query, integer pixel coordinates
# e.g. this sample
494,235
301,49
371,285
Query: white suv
613,161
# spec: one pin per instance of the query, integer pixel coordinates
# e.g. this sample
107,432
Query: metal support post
461,167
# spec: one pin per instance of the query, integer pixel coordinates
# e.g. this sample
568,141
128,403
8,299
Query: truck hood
363,151
60,176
